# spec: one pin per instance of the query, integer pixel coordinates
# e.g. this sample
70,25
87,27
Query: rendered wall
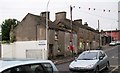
27,49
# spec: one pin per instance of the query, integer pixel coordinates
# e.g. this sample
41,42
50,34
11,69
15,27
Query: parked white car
113,43
27,66
90,61
117,42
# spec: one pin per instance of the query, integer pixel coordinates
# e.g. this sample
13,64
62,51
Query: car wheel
107,65
97,70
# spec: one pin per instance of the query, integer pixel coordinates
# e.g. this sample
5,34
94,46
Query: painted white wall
18,49
6,50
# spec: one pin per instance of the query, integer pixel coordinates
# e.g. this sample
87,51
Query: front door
50,51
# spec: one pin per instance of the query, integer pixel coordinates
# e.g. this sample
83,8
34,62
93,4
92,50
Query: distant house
111,35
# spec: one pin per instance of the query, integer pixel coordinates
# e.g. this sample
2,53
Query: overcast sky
106,11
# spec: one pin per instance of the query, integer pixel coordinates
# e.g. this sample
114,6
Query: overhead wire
98,15
88,10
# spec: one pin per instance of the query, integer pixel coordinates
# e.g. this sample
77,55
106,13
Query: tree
6,26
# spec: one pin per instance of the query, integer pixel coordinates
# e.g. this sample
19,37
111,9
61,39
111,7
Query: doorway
51,51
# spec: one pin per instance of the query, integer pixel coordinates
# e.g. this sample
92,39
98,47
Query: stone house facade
33,27
84,37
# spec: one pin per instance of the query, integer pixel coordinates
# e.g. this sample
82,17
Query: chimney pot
85,24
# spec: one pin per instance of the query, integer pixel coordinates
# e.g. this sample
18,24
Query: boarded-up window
35,53
42,33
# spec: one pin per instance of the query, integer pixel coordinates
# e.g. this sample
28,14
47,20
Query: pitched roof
67,25
39,20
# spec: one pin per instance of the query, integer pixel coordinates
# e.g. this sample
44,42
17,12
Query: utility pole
99,33
71,35
71,16
111,35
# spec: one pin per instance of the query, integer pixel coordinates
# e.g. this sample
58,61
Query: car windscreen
88,56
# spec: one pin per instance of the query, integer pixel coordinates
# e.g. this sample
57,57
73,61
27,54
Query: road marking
113,65
114,69
114,57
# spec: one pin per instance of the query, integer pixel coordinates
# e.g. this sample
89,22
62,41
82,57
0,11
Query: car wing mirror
101,57
75,58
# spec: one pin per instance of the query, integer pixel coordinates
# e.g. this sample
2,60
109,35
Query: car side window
48,67
102,54
31,68
19,69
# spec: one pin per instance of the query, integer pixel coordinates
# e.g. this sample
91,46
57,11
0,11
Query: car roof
93,50
8,63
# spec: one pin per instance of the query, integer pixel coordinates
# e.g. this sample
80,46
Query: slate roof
67,25
54,25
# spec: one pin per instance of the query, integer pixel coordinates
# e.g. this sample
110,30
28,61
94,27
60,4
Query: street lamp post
47,28
47,19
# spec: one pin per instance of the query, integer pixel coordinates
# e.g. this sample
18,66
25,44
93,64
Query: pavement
71,58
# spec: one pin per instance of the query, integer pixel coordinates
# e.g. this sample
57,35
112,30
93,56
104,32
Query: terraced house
84,37
61,34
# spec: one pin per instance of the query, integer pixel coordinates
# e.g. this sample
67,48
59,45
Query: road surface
113,54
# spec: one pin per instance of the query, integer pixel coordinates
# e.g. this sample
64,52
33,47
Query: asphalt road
112,52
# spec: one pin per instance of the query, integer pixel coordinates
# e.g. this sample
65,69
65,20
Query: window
42,32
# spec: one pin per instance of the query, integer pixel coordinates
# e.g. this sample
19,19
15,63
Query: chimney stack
60,15
43,14
78,21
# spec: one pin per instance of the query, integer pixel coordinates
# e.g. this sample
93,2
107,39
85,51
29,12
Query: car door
105,59
102,62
